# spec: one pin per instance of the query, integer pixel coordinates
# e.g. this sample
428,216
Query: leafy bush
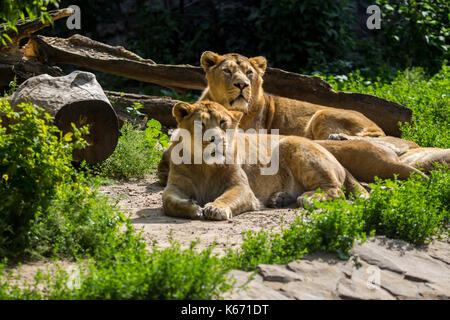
414,33
170,273
13,10
137,152
427,97
415,210
47,207
34,162
328,226
306,35
124,269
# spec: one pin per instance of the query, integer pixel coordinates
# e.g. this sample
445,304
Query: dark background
309,36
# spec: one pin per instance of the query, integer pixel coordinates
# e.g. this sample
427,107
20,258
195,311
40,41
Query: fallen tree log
27,27
76,98
15,66
84,52
159,108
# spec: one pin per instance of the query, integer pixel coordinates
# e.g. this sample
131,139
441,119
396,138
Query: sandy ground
143,198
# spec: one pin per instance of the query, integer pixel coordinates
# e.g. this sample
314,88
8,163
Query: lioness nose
241,84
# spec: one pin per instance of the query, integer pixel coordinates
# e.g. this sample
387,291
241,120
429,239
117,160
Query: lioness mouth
240,96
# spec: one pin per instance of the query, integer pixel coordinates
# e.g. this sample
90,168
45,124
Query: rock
252,289
358,289
308,290
374,255
436,291
394,283
319,272
242,277
398,256
381,269
277,273
439,250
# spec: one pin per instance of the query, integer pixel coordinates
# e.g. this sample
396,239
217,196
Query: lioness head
234,80
205,120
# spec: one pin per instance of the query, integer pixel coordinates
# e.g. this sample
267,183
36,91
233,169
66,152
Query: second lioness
236,82
218,191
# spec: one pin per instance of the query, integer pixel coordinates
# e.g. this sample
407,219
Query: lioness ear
236,115
209,59
181,110
260,64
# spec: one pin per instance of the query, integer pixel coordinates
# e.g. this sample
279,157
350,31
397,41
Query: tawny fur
408,152
220,191
236,82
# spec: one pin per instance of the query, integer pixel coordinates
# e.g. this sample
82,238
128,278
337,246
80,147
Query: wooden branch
25,29
84,52
159,108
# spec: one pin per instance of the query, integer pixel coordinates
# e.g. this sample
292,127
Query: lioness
236,82
218,191
408,152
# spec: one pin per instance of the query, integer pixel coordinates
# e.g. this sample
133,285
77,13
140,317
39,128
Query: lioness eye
249,73
227,71
223,124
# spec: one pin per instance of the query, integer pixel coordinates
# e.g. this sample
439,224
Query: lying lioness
408,152
236,82
364,159
218,191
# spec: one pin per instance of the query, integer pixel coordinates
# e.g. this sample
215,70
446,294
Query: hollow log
75,98
84,52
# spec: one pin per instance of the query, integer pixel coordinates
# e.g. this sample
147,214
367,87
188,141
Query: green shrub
413,210
124,269
12,11
328,226
34,162
169,273
47,207
414,33
137,152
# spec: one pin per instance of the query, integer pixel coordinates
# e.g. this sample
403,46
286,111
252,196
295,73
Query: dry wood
23,68
76,98
84,52
159,108
25,29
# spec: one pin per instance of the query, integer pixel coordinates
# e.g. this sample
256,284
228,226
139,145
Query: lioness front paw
213,212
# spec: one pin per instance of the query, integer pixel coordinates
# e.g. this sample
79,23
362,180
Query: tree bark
14,66
158,108
25,29
76,98
84,52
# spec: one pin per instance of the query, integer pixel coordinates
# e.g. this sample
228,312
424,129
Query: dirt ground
143,198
